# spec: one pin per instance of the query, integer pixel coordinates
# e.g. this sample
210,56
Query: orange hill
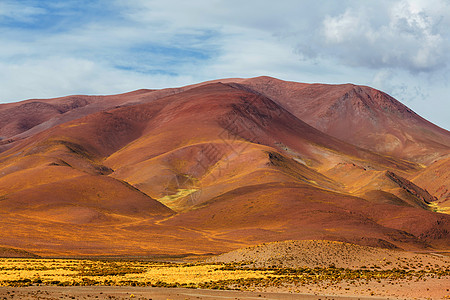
217,166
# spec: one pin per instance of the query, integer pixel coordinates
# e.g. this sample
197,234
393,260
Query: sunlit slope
380,185
209,168
359,115
58,176
204,130
436,179
267,212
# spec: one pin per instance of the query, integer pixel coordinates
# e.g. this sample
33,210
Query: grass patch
61,272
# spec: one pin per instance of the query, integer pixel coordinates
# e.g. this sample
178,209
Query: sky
57,48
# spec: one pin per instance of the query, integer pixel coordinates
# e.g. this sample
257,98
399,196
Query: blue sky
55,48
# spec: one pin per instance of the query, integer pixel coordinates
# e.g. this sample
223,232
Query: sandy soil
100,292
431,288
318,253
342,255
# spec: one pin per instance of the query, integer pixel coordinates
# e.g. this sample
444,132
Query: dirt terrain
218,166
282,270
312,254
53,293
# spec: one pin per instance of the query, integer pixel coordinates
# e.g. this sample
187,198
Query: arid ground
94,292
332,183
275,270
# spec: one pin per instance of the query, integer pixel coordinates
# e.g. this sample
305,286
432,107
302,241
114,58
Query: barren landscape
284,270
324,189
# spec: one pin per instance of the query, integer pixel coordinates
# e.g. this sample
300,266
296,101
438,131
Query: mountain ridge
219,165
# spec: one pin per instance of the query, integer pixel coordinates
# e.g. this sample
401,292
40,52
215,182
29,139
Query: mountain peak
359,115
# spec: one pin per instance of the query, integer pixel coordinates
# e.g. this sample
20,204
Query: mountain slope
204,168
359,115
436,178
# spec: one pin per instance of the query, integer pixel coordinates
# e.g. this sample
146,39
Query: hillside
15,253
323,254
359,115
214,167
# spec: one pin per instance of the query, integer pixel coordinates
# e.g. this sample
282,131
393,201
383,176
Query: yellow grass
51,271
181,193
66,272
437,208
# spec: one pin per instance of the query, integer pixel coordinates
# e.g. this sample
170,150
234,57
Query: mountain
436,178
216,166
359,115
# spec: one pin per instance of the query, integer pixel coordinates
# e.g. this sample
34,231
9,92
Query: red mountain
361,116
215,166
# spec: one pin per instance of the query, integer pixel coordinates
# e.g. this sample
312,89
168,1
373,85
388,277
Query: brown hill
436,178
15,253
204,168
375,185
359,115
322,254
243,127
26,118
268,212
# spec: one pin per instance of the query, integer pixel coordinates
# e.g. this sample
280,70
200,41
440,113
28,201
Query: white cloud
411,37
345,27
14,10
60,76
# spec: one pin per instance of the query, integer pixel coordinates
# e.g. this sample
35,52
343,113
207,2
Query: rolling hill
220,165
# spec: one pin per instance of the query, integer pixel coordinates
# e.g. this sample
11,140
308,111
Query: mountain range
221,165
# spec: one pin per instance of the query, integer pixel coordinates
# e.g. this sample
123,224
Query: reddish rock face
220,165
361,116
